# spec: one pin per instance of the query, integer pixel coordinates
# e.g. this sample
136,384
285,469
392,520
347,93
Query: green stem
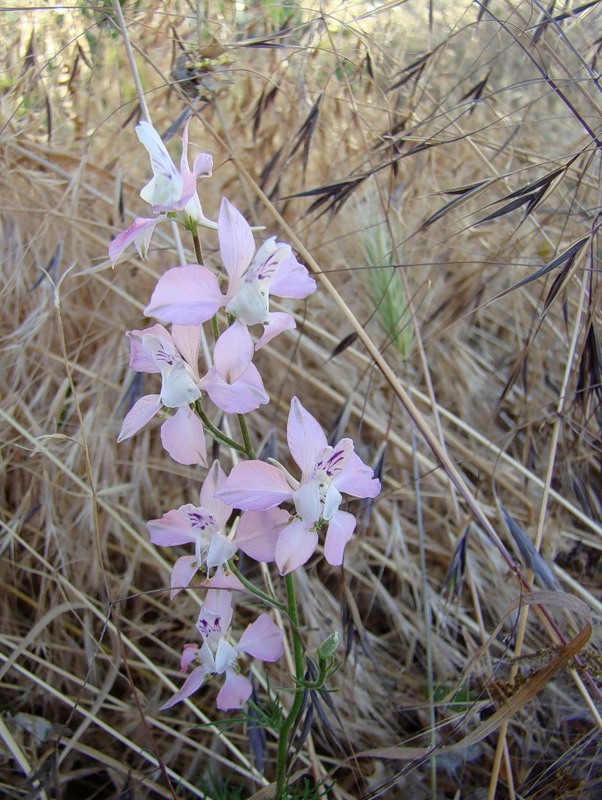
249,449
215,328
198,250
285,730
214,432
266,598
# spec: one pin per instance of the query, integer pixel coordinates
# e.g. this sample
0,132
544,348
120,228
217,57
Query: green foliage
385,286
217,788
268,714
278,14
458,702
306,789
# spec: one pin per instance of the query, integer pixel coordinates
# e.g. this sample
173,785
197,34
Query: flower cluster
259,509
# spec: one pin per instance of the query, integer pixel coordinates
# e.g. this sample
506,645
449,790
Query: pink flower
204,526
262,640
169,191
174,356
185,295
253,277
326,472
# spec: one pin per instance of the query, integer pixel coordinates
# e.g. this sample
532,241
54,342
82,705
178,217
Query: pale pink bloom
262,640
174,356
185,295
326,472
233,382
204,526
253,277
170,190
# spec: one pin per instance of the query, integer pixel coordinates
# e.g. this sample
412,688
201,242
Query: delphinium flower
262,640
326,473
170,191
204,526
180,295
175,356
233,383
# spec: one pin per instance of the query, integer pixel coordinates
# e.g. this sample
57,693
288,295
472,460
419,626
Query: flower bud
329,645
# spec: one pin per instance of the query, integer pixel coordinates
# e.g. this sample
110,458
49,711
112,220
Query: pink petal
188,177
255,485
235,692
340,529
257,532
182,573
216,477
236,242
193,682
186,295
141,412
244,395
292,280
233,352
296,545
203,166
305,437
357,479
172,529
216,614
183,436
188,656
187,339
278,321
140,233
262,639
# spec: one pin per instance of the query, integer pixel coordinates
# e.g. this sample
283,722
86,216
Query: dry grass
479,387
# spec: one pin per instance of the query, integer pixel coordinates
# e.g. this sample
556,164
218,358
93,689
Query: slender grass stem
287,725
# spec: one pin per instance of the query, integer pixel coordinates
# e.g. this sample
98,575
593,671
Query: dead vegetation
450,162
